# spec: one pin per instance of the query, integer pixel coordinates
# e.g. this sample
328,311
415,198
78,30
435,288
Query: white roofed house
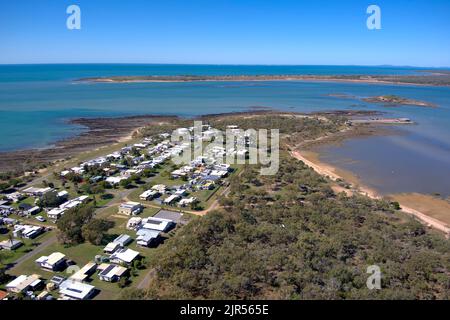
37,192
149,195
24,283
63,194
160,188
77,170
75,290
15,197
55,213
157,224
131,208
187,201
111,272
134,223
10,244
84,273
114,180
111,247
123,240
53,262
171,199
27,231
147,237
124,256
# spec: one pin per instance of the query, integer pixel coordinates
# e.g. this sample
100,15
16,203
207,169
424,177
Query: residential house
171,199
114,180
131,208
158,224
149,195
160,188
53,262
111,247
134,223
147,237
55,213
84,273
27,231
15,197
36,192
75,290
123,240
111,272
10,244
24,283
187,201
124,256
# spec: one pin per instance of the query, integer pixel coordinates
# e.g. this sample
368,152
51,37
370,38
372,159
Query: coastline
427,209
438,80
100,132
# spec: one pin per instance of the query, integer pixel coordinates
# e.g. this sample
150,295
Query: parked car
40,218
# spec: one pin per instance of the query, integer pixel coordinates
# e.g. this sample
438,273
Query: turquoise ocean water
37,100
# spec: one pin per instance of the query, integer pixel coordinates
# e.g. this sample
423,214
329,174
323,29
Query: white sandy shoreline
331,172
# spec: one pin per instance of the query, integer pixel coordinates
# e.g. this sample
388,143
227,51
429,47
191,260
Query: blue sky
413,32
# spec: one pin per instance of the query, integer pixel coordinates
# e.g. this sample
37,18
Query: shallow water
36,101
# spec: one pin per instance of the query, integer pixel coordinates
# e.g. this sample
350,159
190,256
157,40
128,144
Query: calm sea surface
37,100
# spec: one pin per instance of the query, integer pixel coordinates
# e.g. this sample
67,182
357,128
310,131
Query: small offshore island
396,100
432,79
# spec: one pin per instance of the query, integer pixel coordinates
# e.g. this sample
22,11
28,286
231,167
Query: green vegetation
78,225
289,236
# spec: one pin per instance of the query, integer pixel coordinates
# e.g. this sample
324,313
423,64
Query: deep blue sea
37,100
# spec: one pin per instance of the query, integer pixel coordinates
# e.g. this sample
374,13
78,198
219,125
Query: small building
171,199
36,192
53,262
158,224
55,213
123,240
147,237
15,197
27,231
149,195
130,208
74,290
114,180
84,273
187,201
111,272
160,188
24,283
34,210
180,192
134,223
124,256
10,244
111,247
63,195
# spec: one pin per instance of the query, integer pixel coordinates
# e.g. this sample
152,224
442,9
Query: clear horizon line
224,64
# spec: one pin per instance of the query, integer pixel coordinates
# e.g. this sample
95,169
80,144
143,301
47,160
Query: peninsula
429,79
